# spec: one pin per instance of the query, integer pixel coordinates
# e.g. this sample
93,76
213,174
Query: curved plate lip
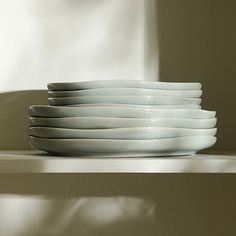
199,137
126,91
145,128
123,118
130,97
185,106
119,133
114,146
122,83
115,106
112,122
65,111
132,140
136,100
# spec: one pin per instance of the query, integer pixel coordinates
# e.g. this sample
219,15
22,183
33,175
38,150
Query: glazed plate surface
137,100
113,147
185,106
126,91
109,122
119,133
97,111
123,84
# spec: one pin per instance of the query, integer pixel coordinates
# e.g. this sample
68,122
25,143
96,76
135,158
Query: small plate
123,84
138,100
119,133
107,122
57,111
125,92
114,147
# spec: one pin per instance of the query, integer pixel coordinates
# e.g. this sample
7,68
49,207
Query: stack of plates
122,118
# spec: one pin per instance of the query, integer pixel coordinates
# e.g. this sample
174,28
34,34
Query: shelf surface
39,162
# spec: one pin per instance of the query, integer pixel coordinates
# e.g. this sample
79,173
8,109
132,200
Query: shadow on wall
83,216
197,43
14,117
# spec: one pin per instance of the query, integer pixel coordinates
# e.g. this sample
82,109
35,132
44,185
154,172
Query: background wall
51,41
14,117
197,42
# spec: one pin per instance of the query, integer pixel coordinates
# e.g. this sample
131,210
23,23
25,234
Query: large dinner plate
113,147
58,111
119,133
141,100
126,91
108,122
123,84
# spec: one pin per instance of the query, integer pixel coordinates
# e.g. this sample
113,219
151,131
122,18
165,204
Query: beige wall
197,42
14,117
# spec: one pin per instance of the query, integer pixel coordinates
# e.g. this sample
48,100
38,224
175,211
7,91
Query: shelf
38,162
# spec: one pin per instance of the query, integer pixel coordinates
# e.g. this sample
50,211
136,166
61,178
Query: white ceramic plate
107,122
114,147
123,84
125,92
185,106
138,100
57,111
118,133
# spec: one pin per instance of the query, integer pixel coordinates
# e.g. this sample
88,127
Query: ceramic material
123,84
56,111
118,133
185,106
104,123
154,147
124,118
125,92
141,100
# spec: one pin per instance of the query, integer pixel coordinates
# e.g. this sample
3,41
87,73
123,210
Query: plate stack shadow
122,118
